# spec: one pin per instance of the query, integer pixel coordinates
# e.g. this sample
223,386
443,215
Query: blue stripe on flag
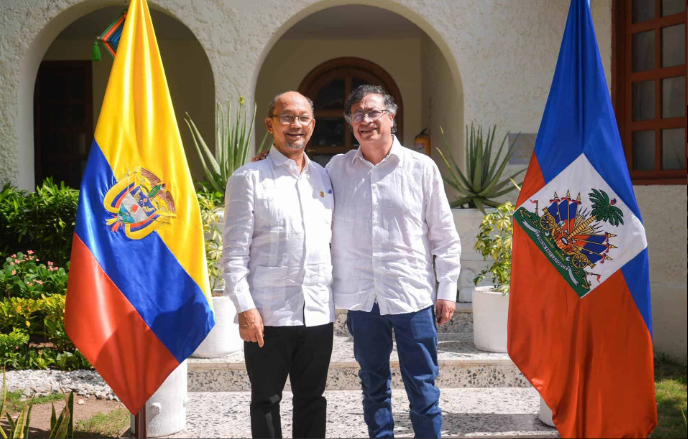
579,117
144,270
637,275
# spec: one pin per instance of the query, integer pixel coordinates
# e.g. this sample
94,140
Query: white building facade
451,62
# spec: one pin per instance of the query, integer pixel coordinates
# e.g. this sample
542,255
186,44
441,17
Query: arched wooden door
328,85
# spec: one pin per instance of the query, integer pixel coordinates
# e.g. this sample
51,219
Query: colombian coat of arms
139,203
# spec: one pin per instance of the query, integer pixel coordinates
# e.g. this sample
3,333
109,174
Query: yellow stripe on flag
147,135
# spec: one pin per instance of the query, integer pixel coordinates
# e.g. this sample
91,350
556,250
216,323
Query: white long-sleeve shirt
278,229
389,222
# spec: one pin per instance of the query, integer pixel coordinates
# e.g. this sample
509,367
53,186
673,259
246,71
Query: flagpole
140,423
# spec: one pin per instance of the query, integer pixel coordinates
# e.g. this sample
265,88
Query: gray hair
273,103
362,91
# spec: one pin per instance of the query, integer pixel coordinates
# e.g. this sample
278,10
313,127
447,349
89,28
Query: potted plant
233,140
478,189
491,303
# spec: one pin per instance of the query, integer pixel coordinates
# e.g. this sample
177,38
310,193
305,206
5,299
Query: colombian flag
138,300
580,325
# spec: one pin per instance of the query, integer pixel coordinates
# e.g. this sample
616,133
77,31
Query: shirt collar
280,159
397,150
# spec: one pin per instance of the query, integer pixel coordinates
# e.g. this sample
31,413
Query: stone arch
446,108
31,60
390,5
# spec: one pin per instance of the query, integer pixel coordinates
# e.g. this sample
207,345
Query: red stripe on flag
533,182
106,328
591,359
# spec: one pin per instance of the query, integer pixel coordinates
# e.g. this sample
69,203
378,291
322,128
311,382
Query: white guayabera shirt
278,229
389,222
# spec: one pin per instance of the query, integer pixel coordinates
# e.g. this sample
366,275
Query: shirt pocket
269,284
267,212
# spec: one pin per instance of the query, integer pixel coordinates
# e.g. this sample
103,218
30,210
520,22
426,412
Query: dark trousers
302,353
416,336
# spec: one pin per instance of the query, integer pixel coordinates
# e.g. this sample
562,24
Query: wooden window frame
622,88
345,68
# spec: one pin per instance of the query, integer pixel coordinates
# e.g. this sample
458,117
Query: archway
388,35
328,86
67,40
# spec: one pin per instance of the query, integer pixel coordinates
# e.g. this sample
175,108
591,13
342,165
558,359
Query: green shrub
209,202
13,348
494,241
22,276
52,310
21,314
43,221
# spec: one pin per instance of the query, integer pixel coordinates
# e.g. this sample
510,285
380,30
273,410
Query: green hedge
42,221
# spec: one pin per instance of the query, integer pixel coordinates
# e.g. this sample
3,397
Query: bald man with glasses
278,272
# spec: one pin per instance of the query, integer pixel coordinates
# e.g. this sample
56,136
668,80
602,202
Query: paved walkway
467,413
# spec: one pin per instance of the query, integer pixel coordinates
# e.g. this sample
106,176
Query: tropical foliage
494,242
43,221
210,203
481,184
232,143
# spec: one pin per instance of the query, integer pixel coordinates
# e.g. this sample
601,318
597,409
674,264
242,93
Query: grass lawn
110,424
670,383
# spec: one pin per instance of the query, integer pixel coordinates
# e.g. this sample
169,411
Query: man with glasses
278,272
391,218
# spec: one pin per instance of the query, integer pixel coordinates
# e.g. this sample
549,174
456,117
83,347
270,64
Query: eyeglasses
373,115
288,119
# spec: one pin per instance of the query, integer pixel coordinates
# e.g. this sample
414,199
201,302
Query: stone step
461,323
481,413
461,366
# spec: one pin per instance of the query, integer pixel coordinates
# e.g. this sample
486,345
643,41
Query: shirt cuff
447,291
242,301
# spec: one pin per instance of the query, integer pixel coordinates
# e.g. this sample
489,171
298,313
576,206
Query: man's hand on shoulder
251,327
444,310
261,156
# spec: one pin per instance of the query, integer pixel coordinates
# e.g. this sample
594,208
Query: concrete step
461,323
466,413
461,366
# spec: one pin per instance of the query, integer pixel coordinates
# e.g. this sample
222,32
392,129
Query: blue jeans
416,336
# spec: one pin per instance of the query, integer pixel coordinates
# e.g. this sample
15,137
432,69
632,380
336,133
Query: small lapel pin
322,194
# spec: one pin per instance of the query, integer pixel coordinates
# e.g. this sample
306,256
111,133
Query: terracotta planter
490,318
467,222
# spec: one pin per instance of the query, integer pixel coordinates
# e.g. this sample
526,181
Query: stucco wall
400,58
664,214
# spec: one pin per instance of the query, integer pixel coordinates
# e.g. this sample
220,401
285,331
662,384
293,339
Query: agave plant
480,185
60,427
232,142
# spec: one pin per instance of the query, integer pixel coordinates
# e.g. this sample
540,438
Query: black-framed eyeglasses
288,119
373,115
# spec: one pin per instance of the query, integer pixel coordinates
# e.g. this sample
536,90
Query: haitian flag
580,320
138,300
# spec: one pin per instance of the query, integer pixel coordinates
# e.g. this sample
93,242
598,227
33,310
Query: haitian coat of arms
571,236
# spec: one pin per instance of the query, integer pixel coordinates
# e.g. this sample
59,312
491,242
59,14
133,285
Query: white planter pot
467,222
490,318
166,409
224,338
545,413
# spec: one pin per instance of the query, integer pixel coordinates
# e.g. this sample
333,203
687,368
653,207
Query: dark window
63,121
